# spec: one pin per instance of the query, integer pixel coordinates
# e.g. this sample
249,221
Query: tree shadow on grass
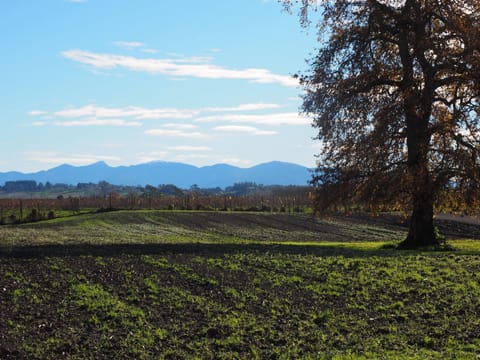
201,249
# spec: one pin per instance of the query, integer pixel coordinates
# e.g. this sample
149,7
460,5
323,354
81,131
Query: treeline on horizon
26,201
32,189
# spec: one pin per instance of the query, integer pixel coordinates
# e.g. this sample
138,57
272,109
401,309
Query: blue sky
133,81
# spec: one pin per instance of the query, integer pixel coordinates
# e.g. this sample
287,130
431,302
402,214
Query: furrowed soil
173,227
175,285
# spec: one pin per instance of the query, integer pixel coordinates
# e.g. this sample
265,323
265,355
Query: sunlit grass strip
465,245
364,245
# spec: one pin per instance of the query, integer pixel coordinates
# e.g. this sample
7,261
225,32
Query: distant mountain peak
63,166
163,172
100,163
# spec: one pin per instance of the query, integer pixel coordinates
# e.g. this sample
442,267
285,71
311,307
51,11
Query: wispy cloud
138,113
141,113
97,122
129,44
94,115
193,59
186,157
243,107
235,160
37,113
186,67
149,51
189,148
151,156
243,129
176,133
180,126
135,45
265,119
48,157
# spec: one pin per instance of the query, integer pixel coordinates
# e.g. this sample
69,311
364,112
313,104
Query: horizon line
154,162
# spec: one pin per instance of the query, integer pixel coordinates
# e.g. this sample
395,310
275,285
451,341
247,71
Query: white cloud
189,148
140,113
185,157
37,113
98,122
38,123
129,111
55,158
265,119
94,115
185,67
149,51
193,59
180,126
151,156
243,107
243,129
135,45
129,44
175,133
235,161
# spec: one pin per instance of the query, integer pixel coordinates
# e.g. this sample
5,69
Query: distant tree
170,189
105,188
85,186
150,191
244,188
394,91
20,185
195,189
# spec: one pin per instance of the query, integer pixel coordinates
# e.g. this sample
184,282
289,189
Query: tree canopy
394,91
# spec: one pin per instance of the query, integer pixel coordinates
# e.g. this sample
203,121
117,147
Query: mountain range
159,172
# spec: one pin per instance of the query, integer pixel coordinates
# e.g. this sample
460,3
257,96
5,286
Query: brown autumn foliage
394,91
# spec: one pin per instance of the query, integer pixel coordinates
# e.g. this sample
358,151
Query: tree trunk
421,232
418,102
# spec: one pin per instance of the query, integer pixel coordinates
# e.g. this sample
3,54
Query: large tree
394,92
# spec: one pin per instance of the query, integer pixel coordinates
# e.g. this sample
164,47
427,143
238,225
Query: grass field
177,285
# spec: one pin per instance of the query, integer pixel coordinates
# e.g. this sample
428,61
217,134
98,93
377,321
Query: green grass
216,295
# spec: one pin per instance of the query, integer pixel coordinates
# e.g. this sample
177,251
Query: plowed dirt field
166,285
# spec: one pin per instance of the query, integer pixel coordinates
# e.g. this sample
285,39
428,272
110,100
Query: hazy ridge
179,174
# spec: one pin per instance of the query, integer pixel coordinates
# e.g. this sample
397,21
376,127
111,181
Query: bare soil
451,226
213,285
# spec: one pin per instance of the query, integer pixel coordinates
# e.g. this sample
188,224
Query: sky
134,81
